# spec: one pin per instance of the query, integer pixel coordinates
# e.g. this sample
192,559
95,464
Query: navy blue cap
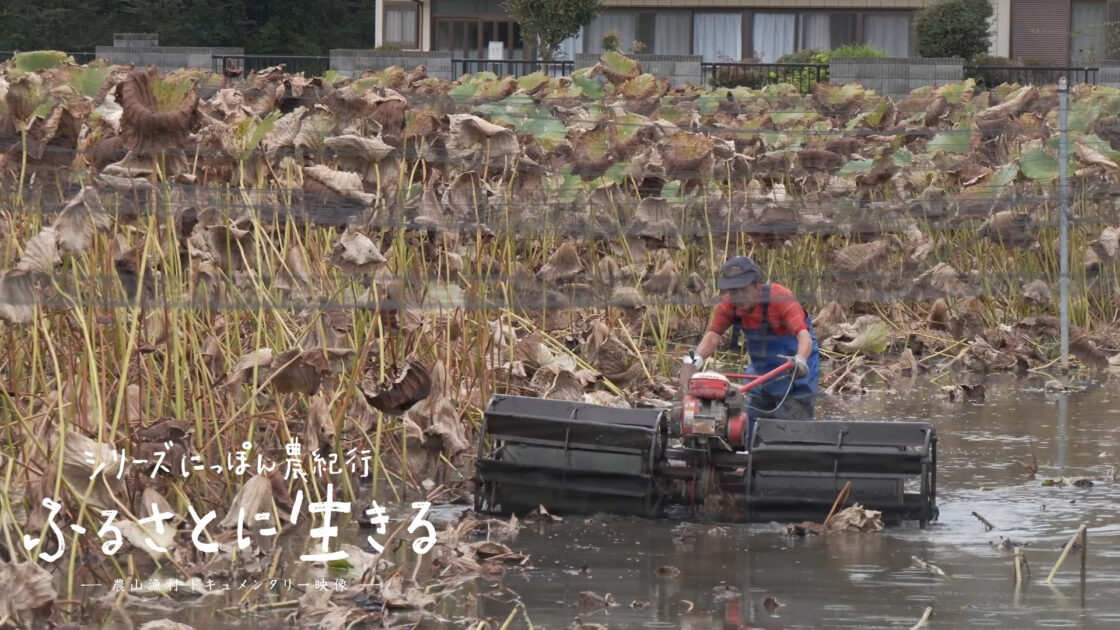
738,272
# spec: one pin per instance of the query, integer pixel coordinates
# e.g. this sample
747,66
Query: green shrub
859,51
808,55
610,41
954,28
805,78
802,78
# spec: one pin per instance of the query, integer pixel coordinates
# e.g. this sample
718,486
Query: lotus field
192,262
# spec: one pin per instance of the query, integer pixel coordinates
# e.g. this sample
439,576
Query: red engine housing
711,388
714,406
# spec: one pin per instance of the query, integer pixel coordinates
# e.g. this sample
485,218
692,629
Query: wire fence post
1063,209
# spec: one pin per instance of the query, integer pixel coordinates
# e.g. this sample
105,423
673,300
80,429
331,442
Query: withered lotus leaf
411,384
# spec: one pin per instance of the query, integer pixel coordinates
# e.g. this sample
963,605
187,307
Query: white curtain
773,34
718,36
569,47
625,22
889,33
815,28
400,25
671,33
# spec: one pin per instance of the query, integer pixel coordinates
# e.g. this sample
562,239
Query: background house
718,30
1057,32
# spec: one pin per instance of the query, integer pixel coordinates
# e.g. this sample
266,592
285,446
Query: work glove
694,360
800,367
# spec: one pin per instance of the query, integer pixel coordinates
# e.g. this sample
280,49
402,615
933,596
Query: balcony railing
757,75
514,67
309,65
991,76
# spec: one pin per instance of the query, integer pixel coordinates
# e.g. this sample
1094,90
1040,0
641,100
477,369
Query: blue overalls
766,349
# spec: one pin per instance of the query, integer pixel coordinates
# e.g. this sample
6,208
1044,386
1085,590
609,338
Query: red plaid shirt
786,315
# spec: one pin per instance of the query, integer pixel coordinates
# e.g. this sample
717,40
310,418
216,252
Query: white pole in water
1063,205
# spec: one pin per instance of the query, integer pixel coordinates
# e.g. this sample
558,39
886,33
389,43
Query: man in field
777,330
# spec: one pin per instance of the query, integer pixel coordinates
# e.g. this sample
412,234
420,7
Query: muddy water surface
845,580
869,580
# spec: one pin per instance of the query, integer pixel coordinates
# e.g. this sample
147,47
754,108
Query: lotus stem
1078,535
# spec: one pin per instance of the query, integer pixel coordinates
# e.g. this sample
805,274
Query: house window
779,33
717,36
400,25
661,32
827,31
774,35
889,32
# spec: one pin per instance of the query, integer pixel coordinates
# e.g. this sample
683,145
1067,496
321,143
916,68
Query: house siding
1040,30
770,4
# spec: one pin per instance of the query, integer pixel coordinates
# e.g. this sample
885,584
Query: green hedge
954,28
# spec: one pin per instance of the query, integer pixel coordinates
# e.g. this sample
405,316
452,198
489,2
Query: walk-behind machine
576,457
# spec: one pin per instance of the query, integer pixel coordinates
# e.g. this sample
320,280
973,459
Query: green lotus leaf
615,174
872,119
707,105
1005,176
1079,118
674,113
549,131
840,94
589,87
87,81
855,167
1096,143
1039,165
956,92
619,68
533,82
775,91
627,127
783,118
955,141
641,87
36,60
565,185
380,78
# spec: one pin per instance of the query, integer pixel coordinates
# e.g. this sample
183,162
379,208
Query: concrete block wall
680,69
352,62
166,57
896,77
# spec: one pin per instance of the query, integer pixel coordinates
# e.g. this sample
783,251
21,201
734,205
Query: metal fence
80,57
757,75
514,67
309,65
991,76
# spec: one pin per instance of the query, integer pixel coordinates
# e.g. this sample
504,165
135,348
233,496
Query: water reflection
1063,420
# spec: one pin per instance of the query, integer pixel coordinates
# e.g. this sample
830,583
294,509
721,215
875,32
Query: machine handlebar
756,380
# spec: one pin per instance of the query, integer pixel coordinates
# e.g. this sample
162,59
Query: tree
550,22
954,28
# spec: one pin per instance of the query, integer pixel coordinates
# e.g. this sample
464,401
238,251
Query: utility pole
1063,209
